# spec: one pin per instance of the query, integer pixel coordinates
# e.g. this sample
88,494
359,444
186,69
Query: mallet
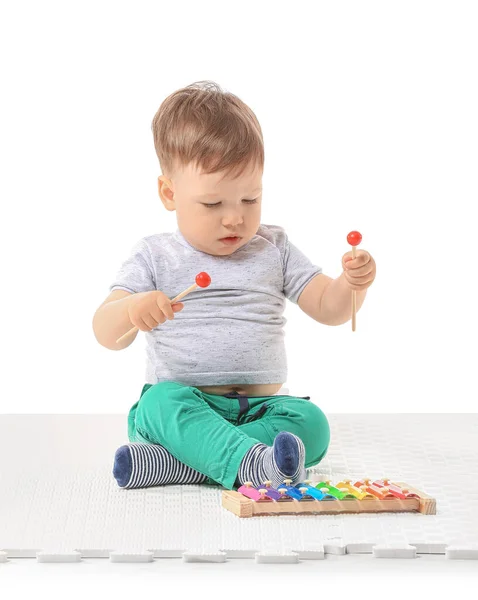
354,238
202,280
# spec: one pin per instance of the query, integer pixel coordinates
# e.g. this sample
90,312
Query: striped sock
140,465
283,460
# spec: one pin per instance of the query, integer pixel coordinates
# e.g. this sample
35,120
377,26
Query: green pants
212,433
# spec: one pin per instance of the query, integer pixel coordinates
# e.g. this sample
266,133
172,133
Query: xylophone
364,495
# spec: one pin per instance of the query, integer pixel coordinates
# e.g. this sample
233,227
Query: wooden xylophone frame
242,506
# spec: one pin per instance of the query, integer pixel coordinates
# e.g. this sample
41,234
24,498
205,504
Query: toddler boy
209,411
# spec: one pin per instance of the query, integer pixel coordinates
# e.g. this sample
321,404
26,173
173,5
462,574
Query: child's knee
317,417
318,438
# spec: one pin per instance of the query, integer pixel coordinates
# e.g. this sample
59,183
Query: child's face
203,226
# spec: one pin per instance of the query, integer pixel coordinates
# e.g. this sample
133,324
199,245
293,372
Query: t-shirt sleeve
136,274
298,270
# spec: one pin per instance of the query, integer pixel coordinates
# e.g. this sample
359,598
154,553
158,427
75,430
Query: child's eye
218,203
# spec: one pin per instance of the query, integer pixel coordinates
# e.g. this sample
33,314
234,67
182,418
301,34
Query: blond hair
206,126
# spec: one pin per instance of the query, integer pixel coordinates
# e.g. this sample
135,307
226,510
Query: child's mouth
230,240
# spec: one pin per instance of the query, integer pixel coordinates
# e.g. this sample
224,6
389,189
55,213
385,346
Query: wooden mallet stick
202,280
354,238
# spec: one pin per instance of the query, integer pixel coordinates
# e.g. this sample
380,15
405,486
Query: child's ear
166,193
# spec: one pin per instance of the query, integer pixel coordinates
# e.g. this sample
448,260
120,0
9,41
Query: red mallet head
203,279
354,238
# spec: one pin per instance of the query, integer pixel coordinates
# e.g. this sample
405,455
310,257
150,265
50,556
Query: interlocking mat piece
56,508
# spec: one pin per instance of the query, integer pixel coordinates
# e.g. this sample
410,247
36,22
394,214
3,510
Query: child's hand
148,309
359,272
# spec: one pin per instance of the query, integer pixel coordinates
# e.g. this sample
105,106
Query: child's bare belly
259,389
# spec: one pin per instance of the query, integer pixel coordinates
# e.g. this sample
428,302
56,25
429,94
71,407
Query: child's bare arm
111,320
122,311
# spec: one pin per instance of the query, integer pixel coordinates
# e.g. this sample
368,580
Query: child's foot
140,465
283,460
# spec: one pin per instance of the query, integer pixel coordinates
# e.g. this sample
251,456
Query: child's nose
233,219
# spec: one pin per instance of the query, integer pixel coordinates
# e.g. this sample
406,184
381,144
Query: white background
369,115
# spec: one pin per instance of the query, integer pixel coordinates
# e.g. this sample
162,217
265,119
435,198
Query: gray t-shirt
232,331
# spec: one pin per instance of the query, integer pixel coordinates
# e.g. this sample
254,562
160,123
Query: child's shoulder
275,234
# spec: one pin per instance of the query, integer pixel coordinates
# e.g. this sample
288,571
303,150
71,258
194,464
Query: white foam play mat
59,501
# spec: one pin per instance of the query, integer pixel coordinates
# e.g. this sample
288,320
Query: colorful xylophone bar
364,495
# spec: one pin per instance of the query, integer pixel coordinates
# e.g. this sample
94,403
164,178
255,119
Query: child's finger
146,323
168,311
158,315
164,304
